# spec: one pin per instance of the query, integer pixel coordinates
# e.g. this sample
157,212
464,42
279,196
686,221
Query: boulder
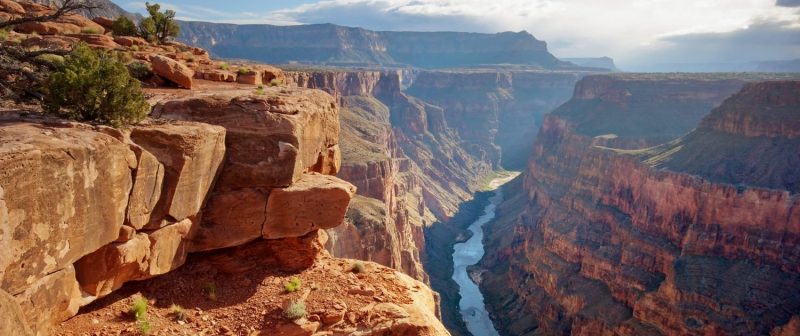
11,7
63,194
104,21
14,321
142,257
106,269
217,75
271,140
85,24
130,41
314,202
97,40
268,74
172,70
47,28
55,42
231,218
191,154
252,77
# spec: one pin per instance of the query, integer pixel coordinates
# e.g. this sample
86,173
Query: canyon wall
595,241
332,44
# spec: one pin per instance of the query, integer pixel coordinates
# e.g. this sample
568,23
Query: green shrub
358,267
293,285
91,30
244,71
140,70
159,26
295,311
144,327
53,59
3,34
134,48
95,86
211,291
275,82
124,27
260,90
138,308
224,66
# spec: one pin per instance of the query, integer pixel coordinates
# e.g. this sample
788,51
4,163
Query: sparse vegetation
140,70
244,71
275,82
295,311
293,285
138,308
260,90
210,290
224,66
56,60
4,34
134,48
123,26
95,86
178,312
144,327
358,267
159,27
91,30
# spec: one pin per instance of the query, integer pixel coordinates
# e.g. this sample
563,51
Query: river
470,253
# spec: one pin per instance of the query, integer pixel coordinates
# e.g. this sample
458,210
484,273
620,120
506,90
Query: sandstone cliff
332,44
598,242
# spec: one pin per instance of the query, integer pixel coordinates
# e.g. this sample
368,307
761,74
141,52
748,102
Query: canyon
649,204
606,235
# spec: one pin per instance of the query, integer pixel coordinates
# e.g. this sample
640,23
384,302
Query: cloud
761,40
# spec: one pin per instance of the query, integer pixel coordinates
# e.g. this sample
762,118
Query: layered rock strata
598,242
104,207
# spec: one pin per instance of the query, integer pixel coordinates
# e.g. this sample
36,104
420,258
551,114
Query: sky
638,34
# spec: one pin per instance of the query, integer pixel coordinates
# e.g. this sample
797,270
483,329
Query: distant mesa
594,62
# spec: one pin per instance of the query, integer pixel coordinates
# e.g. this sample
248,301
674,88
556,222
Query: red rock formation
596,242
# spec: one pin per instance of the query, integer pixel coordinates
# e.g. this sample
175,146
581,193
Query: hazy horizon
641,35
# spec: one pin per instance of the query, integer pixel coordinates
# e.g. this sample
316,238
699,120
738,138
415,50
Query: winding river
469,253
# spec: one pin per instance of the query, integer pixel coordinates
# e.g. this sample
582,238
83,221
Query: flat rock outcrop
598,242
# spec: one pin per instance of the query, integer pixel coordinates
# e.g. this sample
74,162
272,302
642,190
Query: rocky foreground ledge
86,209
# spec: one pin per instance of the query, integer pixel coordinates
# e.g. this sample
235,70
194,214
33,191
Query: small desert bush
293,285
140,70
138,308
134,48
244,71
91,30
144,327
95,86
4,34
260,90
53,59
224,66
275,82
178,312
124,27
358,267
295,311
210,290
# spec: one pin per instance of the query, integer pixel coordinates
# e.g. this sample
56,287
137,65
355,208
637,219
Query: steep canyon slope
601,241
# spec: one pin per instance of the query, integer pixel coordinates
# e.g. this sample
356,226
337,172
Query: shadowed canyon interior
361,163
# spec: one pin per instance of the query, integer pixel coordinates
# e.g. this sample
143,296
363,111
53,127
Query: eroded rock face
64,195
191,154
597,242
314,202
271,140
14,321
